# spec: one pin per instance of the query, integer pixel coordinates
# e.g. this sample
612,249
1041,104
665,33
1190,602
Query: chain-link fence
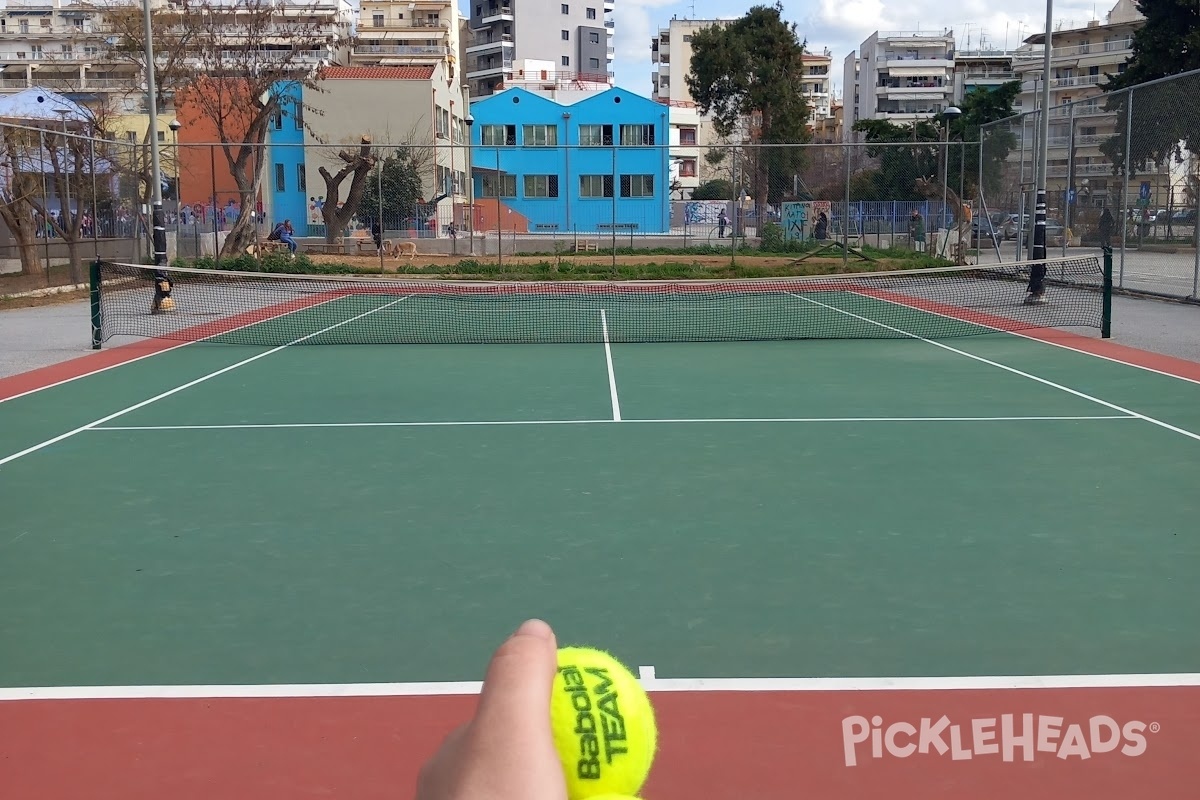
66,198
1122,167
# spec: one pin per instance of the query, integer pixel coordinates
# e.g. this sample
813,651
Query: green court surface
988,505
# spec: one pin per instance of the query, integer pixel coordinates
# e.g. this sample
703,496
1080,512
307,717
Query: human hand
506,752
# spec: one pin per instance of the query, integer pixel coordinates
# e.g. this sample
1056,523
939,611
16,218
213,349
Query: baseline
694,421
439,688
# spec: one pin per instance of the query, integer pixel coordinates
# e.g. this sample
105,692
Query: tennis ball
603,724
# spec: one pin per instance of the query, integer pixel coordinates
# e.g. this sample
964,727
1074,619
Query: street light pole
470,120
949,115
1037,273
159,226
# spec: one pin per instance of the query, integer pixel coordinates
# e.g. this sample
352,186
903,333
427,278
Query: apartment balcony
481,45
1091,140
1081,170
892,61
1081,110
499,14
917,90
505,67
608,23
384,51
990,76
410,26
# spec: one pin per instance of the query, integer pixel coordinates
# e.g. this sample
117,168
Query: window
301,178
37,51
687,37
637,135
566,36
377,20
591,13
687,136
566,9
498,186
497,135
596,135
298,115
595,186
687,168
162,136
479,11
541,186
280,179
637,186
594,37
593,63
77,23
277,119
566,61
540,135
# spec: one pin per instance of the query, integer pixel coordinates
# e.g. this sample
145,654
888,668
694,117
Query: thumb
519,681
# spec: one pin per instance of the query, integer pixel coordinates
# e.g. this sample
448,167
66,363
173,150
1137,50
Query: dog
394,249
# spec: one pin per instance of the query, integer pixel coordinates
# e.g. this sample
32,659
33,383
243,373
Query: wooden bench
324,248
267,246
365,246
585,246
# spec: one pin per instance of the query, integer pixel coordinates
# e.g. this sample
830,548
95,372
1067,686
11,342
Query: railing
404,23
401,50
916,34
914,60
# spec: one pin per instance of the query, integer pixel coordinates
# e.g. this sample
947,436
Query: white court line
1007,368
612,377
1036,339
485,423
648,678
190,384
166,349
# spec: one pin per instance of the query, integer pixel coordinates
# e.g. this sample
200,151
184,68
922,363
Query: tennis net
272,309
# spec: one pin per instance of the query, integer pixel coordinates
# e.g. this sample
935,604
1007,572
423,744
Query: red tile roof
417,73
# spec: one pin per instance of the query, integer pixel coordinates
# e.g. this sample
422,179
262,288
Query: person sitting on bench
284,232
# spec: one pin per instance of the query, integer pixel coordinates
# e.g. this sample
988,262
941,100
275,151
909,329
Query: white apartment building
671,55
67,45
573,35
900,76
60,45
408,32
817,89
1079,59
982,69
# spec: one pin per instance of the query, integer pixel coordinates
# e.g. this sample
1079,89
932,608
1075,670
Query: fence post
1196,251
94,300
1125,187
847,149
1106,312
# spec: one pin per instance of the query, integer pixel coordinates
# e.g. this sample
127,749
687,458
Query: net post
1106,312
94,300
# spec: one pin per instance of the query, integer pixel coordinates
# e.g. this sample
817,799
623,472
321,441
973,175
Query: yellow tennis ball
603,724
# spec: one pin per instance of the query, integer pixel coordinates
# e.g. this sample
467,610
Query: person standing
916,231
722,221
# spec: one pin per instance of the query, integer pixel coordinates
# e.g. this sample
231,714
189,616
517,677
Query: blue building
285,184
546,167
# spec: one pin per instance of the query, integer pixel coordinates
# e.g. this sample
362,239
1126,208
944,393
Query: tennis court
893,536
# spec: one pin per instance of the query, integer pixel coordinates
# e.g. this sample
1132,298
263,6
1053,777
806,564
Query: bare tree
20,187
358,165
230,68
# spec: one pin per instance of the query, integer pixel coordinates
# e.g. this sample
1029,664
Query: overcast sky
841,25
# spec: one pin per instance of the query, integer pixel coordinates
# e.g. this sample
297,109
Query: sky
842,25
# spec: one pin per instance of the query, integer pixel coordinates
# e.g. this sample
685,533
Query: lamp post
175,125
470,120
65,204
1037,273
160,231
949,115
